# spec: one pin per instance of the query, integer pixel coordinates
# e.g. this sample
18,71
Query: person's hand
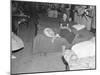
55,37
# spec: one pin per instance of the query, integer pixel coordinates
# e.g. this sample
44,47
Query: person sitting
65,30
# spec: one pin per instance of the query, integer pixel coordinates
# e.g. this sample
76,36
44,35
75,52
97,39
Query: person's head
49,32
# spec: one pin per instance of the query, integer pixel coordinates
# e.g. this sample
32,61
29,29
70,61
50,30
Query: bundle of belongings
17,43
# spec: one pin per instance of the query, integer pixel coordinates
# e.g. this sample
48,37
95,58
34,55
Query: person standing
81,16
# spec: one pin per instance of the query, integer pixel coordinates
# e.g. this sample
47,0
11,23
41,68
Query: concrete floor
26,62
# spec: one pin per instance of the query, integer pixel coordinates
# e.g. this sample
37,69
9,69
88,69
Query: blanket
82,55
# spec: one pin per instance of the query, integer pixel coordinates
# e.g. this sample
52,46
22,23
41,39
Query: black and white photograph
52,37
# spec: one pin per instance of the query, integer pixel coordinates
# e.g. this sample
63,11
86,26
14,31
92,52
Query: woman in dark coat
65,30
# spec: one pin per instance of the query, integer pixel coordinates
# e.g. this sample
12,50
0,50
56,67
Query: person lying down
81,55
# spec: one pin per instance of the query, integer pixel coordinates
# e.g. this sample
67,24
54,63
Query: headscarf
49,32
